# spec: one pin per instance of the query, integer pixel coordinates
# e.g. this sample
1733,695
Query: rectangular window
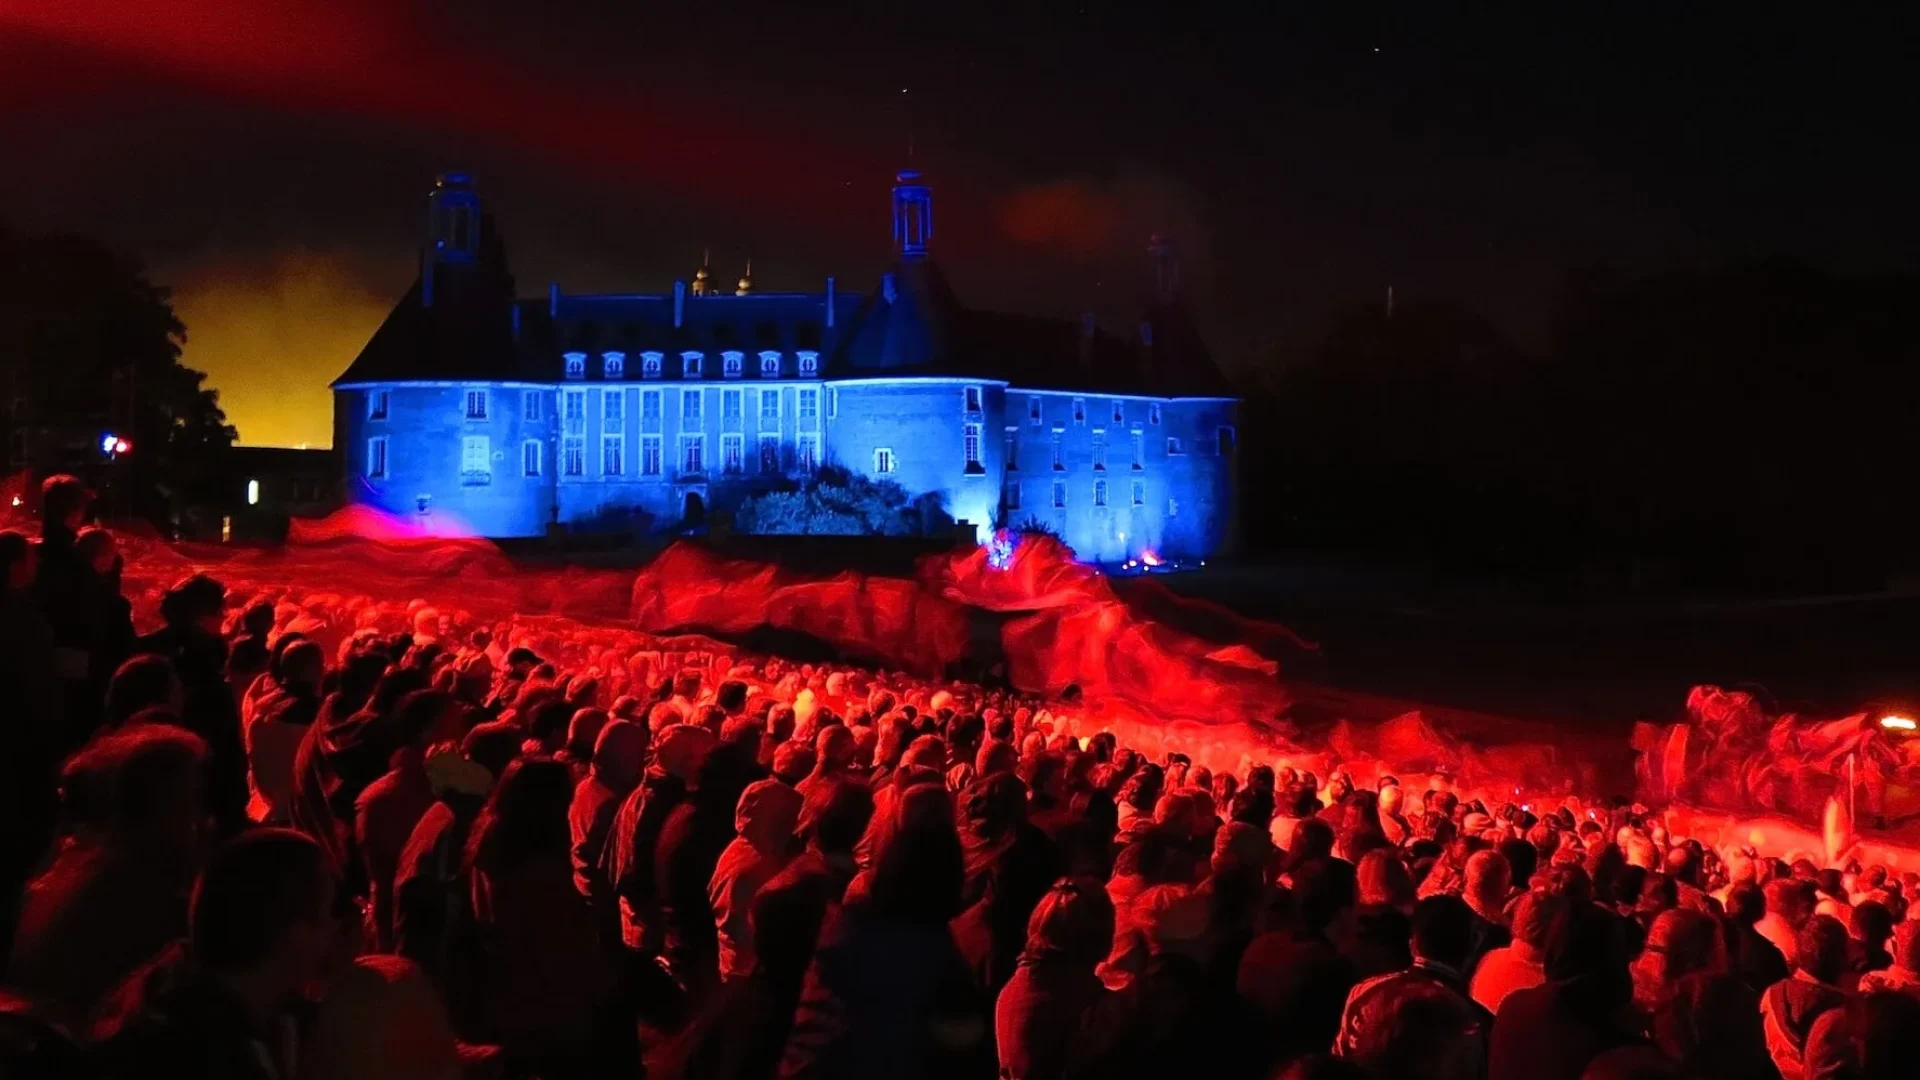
1173,445
689,409
833,403
1079,410
733,454
650,411
769,409
1099,450
1059,449
1153,413
613,455
1010,495
769,454
1059,494
1119,411
1139,449
530,406
809,410
613,407
972,400
1173,506
1099,493
530,458
573,456
1033,409
970,442
1139,493
649,455
732,364
693,454
476,404
730,410
573,411
1226,439
1010,449
689,365
377,405
882,459
377,457
476,459
806,453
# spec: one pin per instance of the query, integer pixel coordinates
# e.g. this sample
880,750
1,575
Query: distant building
475,412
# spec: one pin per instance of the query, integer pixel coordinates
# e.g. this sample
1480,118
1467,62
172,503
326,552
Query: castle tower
912,215
453,227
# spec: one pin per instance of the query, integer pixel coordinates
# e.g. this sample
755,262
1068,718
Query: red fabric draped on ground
886,620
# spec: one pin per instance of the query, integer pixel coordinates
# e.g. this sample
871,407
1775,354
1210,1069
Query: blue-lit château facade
473,411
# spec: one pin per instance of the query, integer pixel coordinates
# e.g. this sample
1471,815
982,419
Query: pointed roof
465,333
904,326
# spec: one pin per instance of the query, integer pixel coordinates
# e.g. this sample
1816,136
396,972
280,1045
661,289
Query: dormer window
690,365
613,365
970,402
576,365
809,362
650,365
770,364
732,363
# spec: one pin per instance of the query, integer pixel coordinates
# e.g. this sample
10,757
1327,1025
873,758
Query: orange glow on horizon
271,338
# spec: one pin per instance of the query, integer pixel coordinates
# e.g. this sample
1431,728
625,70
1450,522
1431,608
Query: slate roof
911,324
632,324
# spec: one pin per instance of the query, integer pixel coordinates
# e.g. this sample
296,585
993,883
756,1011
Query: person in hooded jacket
619,760
763,821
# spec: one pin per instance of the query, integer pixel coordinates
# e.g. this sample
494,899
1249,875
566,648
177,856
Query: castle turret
453,227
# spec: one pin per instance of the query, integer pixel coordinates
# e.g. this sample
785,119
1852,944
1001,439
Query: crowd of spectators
235,851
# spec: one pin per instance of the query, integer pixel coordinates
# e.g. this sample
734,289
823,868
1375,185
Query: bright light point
121,446
1149,558
1897,723
253,493
108,442
16,500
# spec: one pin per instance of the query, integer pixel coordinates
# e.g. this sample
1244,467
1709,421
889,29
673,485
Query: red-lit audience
251,855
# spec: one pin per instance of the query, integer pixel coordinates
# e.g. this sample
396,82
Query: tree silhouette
88,345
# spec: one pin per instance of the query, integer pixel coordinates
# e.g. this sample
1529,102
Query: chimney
553,300
829,301
679,303
1146,347
515,309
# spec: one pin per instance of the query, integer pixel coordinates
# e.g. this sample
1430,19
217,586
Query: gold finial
700,284
746,281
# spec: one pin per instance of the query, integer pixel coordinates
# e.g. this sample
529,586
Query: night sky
269,160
